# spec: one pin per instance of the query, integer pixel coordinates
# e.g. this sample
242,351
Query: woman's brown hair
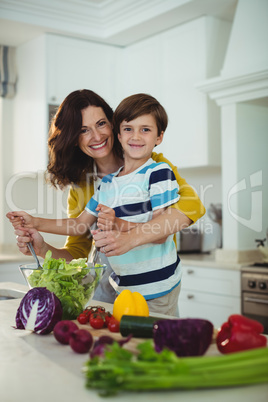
138,105
67,163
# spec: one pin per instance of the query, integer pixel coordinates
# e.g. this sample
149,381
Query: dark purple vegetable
39,311
185,336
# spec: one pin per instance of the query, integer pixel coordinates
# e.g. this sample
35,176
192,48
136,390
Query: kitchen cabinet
210,293
168,66
77,64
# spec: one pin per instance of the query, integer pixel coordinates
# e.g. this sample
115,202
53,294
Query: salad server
30,247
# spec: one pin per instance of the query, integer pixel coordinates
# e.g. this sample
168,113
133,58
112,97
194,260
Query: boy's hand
106,217
21,219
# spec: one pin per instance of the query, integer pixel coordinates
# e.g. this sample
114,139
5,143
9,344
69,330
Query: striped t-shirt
152,269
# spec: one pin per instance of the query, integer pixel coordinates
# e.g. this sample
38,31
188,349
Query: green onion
120,370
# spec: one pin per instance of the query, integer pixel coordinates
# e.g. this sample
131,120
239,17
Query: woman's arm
115,242
25,236
75,246
186,211
189,203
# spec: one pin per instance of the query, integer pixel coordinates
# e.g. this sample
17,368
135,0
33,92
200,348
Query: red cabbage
39,311
185,336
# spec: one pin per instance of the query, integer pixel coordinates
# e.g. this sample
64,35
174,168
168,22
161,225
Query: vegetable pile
68,282
121,370
39,311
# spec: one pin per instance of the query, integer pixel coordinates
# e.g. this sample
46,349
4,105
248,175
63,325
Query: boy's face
138,137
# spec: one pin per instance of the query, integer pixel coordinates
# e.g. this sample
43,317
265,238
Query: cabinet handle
190,271
255,300
190,296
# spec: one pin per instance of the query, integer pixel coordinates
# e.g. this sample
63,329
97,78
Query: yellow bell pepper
130,303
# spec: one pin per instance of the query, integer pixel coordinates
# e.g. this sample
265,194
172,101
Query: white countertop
37,368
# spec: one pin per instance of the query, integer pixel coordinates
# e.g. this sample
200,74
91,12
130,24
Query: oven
254,286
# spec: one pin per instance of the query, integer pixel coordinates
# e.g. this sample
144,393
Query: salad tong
30,247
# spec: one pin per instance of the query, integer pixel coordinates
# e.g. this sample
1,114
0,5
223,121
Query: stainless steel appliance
254,282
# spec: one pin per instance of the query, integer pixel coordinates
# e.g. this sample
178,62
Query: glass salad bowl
74,282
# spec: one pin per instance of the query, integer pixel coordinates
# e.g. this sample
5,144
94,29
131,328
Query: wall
252,163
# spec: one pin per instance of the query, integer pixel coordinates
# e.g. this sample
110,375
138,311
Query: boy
133,194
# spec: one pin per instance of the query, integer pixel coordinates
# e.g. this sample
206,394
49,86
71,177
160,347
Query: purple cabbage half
185,336
39,311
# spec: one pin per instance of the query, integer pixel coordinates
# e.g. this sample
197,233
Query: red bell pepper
240,333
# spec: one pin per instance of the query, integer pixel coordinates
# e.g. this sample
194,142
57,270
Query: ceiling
116,22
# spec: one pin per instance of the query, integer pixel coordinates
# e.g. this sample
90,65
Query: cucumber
137,326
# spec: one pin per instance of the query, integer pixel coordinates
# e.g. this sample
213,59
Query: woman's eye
84,131
102,123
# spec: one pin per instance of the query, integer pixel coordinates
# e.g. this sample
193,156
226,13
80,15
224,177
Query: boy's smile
138,138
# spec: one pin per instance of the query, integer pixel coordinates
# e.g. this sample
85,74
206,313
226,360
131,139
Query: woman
83,149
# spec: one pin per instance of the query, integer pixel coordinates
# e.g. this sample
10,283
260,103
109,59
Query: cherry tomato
96,321
113,325
107,318
96,309
82,318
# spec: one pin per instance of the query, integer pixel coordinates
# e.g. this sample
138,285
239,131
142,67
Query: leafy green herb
120,370
67,281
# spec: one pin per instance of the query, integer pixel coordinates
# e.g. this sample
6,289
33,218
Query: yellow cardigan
79,246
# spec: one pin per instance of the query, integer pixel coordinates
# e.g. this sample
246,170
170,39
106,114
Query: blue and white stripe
151,269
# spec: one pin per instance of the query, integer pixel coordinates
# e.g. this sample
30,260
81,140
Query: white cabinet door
76,64
208,306
224,282
142,68
210,293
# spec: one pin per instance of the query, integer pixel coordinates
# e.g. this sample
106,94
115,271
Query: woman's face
96,138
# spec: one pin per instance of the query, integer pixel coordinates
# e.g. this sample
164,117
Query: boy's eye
127,129
145,129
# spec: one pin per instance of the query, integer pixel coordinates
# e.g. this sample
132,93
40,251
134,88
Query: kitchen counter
37,368
208,260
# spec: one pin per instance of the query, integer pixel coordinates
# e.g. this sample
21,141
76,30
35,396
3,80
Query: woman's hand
21,219
25,236
113,242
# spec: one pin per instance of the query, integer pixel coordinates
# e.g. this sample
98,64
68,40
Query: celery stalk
122,371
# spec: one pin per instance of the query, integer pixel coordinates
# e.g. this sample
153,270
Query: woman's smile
98,146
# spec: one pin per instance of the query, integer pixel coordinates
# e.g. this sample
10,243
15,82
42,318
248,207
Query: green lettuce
67,281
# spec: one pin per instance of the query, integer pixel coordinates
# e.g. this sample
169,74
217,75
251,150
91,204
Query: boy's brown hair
138,105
